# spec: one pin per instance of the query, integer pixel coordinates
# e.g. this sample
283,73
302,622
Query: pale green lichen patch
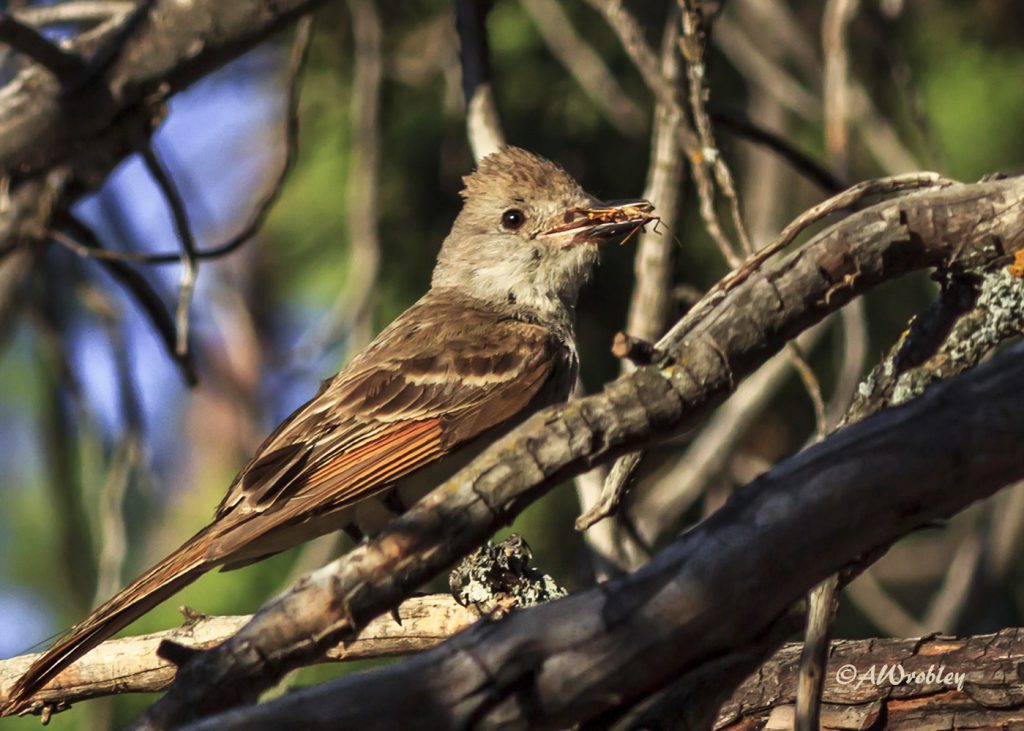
501,571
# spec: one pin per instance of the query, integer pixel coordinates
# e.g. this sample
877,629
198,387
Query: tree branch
619,477
131,664
29,42
483,123
58,142
566,661
724,340
989,698
39,128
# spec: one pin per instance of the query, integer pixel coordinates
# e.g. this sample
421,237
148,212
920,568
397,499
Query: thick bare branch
58,142
660,505
169,49
131,664
619,477
911,683
724,340
572,659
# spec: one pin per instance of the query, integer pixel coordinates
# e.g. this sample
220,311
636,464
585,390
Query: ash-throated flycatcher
489,344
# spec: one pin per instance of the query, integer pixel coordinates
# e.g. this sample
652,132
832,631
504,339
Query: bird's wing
437,377
440,375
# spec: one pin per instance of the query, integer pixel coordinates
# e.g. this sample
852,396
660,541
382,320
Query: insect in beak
602,221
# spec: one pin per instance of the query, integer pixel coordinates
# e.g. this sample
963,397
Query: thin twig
649,306
189,265
853,357
767,188
363,179
800,161
759,69
586,66
822,607
296,64
62,422
126,455
631,37
693,46
613,492
767,65
661,76
1004,537
948,602
870,597
89,252
822,601
351,312
300,48
483,123
811,385
651,302
83,238
836,89
845,200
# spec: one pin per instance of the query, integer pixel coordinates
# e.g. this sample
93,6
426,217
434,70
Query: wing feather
439,376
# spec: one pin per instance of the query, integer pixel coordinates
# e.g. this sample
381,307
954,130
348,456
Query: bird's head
527,234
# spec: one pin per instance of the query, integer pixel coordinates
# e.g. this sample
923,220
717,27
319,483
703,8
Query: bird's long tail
166,578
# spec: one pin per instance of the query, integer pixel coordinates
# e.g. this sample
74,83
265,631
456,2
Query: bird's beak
600,221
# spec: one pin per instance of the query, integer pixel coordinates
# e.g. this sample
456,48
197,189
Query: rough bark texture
972,315
868,682
715,346
60,139
173,45
131,664
576,658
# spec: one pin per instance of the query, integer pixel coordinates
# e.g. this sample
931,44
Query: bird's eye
512,219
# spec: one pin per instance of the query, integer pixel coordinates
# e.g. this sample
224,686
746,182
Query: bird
491,342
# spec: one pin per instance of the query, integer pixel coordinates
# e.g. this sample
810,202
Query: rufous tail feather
166,578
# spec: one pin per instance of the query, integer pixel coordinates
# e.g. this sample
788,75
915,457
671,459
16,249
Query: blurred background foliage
99,430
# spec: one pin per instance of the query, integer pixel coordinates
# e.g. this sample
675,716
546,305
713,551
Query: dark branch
84,241
800,161
300,51
566,661
40,129
483,123
189,267
723,341
29,42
